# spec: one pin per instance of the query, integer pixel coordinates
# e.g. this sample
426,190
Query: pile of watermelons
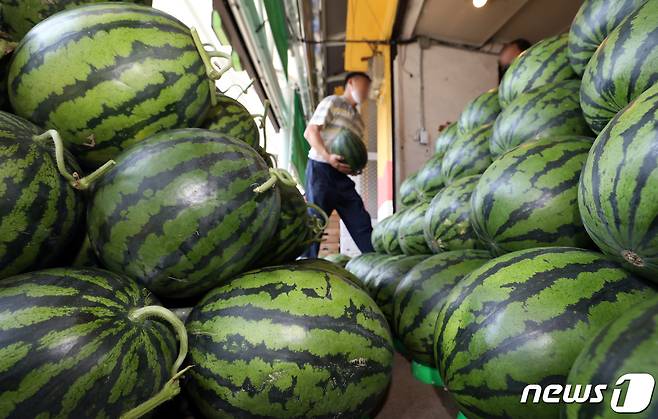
525,251
147,243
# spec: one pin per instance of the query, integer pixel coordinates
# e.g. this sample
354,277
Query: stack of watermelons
181,214
539,208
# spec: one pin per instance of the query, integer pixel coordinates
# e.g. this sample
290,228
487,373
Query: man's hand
336,162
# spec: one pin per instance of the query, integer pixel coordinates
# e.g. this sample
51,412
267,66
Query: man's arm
312,135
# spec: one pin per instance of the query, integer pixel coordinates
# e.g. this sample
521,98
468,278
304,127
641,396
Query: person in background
509,53
327,183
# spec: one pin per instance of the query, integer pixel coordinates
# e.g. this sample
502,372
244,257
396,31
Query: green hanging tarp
299,146
276,15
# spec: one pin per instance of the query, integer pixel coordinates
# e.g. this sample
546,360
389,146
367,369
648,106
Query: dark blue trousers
332,190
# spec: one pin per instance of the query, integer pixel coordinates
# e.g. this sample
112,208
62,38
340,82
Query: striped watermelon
361,265
447,225
482,110
351,148
338,259
374,268
286,343
377,236
411,237
322,265
617,194
529,197
231,118
446,137
391,236
591,26
468,155
533,310
627,345
82,343
408,191
623,67
550,110
107,76
420,296
382,284
429,180
180,213
545,62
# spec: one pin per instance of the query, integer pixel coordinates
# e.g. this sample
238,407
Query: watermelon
374,268
180,212
482,110
351,148
522,319
231,118
361,265
338,259
627,345
411,237
107,76
447,225
286,343
429,180
549,110
468,155
623,67
408,191
545,62
391,236
82,343
376,238
382,284
446,137
529,197
420,296
617,194
591,26
322,265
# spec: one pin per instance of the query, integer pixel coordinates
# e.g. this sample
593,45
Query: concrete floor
408,398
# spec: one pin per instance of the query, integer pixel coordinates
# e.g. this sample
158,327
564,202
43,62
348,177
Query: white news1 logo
639,389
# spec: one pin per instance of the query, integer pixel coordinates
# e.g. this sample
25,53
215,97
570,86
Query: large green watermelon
482,110
591,26
447,225
446,137
617,194
623,67
391,235
627,345
107,76
420,296
429,180
231,118
468,155
549,110
351,148
545,62
408,191
529,197
81,343
411,237
522,319
180,213
282,343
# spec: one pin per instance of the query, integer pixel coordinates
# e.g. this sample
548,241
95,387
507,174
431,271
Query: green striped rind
178,212
482,110
375,267
391,236
522,319
116,73
447,225
40,212
550,110
623,67
322,265
627,345
617,194
429,180
408,191
363,264
338,259
545,62
382,284
378,231
468,155
69,349
529,197
411,236
448,136
231,118
351,148
335,359
420,296
591,26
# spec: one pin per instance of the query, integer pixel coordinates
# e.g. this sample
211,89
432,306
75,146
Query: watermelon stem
276,175
318,224
74,178
212,71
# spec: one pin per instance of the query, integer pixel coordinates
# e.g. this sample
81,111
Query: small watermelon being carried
182,211
411,236
351,148
244,369
482,110
533,310
408,191
467,156
429,180
446,137
231,118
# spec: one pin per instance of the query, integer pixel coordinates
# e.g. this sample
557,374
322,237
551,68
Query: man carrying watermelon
327,183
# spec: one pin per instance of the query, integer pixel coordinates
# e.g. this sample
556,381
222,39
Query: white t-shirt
333,114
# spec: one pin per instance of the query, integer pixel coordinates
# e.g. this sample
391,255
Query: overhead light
479,3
